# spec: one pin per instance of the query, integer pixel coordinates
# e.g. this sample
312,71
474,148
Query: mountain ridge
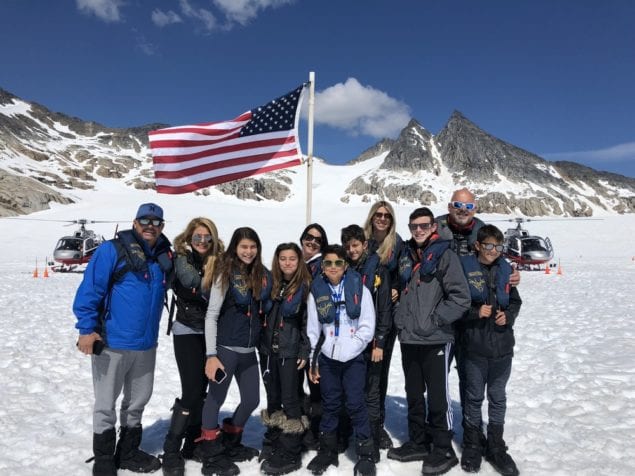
61,153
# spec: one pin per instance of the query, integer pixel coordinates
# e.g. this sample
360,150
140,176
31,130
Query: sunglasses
423,226
310,237
338,263
147,221
492,246
380,215
467,206
201,239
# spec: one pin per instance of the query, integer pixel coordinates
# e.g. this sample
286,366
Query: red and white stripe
187,158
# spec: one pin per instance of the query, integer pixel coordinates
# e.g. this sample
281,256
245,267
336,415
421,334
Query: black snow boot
496,453
188,451
173,462
327,454
129,456
104,451
442,458
410,451
472,448
211,451
365,465
232,437
272,421
287,456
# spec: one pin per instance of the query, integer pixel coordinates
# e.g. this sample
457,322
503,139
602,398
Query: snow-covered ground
571,398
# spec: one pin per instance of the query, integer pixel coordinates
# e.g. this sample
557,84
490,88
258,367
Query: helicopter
73,251
524,249
76,249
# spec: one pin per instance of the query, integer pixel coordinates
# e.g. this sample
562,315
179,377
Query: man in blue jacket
118,307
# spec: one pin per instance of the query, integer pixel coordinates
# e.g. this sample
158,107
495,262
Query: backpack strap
115,277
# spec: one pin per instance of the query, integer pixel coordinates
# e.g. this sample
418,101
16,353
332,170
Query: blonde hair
385,247
182,244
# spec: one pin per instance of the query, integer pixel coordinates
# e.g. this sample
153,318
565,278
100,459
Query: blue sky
554,77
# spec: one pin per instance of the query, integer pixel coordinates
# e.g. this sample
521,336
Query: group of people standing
327,313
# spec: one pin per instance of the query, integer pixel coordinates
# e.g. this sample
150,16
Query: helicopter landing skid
62,268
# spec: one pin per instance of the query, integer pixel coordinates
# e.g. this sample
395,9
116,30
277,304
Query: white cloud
206,17
161,18
617,153
242,11
360,109
107,10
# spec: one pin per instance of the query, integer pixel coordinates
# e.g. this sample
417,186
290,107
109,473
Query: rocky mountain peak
412,151
6,97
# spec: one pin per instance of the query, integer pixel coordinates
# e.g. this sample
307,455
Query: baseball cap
150,210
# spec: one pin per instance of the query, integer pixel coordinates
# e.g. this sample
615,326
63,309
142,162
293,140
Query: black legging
189,350
244,367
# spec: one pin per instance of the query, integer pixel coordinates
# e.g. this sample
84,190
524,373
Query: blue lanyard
336,296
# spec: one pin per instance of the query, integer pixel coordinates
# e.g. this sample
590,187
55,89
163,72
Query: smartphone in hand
98,347
220,375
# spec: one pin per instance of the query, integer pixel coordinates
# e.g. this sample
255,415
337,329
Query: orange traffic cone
559,269
547,269
35,274
46,272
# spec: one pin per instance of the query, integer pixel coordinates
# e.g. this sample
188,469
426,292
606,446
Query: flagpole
309,158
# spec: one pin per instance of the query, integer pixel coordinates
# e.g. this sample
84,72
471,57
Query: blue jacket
134,306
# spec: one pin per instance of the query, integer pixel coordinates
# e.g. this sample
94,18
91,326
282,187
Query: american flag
264,139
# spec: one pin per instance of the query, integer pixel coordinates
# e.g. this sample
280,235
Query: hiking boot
211,451
232,437
496,452
104,451
385,442
439,461
129,456
365,465
327,454
409,451
472,448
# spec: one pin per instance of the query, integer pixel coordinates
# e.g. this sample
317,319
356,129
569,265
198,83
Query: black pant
280,377
189,351
426,371
373,386
389,345
481,372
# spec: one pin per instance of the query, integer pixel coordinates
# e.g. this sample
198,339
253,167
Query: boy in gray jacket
434,294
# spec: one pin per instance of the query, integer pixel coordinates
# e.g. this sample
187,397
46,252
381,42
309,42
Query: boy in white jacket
340,324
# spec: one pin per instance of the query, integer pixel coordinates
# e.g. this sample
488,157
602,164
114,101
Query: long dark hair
230,262
301,277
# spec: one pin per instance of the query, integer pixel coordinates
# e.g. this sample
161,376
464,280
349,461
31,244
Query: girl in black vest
197,249
284,349
239,301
